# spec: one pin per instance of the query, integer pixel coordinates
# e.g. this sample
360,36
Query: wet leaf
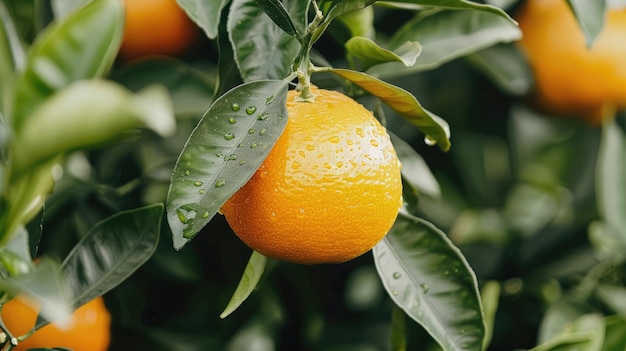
247,284
404,103
223,152
459,5
12,58
428,277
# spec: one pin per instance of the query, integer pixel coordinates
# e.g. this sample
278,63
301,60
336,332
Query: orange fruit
87,329
572,79
156,27
329,190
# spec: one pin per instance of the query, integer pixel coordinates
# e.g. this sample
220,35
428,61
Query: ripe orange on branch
156,27
571,78
87,330
329,190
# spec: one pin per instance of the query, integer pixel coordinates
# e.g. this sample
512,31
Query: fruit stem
302,64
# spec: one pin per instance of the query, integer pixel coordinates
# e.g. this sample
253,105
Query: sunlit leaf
557,317
335,8
490,295
262,50
360,23
205,13
277,12
43,287
370,54
62,8
590,16
111,252
12,58
448,35
584,333
247,284
223,152
88,114
81,46
404,103
428,277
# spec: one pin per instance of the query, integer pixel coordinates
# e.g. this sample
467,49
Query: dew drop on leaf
242,162
269,100
396,275
205,215
263,116
429,141
251,131
235,107
229,136
197,183
262,132
220,183
424,287
250,110
231,120
187,172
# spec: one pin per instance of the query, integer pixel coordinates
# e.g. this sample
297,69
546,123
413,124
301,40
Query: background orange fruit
571,78
87,330
156,27
329,190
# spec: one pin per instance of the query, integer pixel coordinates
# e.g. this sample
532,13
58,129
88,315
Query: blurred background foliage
518,196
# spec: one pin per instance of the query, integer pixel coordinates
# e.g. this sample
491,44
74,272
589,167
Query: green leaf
506,66
489,296
262,50
398,329
249,280
614,296
448,35
230,142
81,46
205,13
336,8
88,114
44,287
557,316
414,169
428,277
360,23
611,179
12,58
277,12
434,127
370,54
24,199
111,251
62,8
191,90
15,257
459,5
584,333
615,337
590,16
